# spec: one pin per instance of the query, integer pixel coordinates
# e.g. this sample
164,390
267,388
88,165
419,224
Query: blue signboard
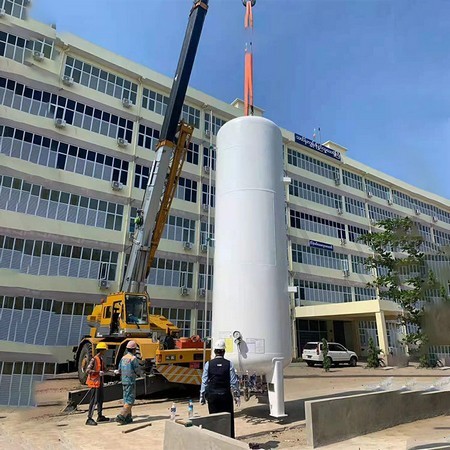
317,147
323,245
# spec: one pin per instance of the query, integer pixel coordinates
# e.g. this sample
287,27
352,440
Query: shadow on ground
295,410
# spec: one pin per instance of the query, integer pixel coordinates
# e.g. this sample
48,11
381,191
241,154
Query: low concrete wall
340,418
179,437
218,423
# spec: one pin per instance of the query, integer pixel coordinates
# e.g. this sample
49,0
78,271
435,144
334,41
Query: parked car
312,354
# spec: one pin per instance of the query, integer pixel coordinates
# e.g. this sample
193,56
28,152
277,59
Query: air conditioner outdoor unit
390,201
201,292
38,56
435,219
122,142
68,81
206,169
103,284
346,272
205,207
207,133
343,241
204,248
369,194
116,185
60,123
2,12
184,291
340,212
187,245
417,211
127,103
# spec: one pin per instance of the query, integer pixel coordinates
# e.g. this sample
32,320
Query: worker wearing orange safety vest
95,371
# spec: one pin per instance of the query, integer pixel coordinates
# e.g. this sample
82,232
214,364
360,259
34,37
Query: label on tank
255,345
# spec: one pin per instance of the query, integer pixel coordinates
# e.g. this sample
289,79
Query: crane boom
166,167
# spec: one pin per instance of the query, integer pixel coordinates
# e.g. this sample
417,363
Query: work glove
237,401
202,399
101,373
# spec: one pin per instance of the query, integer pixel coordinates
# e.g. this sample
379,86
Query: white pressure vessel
250,297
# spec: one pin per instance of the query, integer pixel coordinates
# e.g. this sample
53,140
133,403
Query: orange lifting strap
248,61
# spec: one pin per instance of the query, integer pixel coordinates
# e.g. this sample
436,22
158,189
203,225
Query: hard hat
219,345
102,346
131,344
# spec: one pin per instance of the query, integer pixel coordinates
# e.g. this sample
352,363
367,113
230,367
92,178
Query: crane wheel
139,357
83,362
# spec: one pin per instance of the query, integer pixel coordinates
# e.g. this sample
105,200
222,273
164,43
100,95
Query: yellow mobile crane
125,315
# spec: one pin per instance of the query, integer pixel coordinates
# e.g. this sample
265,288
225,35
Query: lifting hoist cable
248,60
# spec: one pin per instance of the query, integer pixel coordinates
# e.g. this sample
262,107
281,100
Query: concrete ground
46,428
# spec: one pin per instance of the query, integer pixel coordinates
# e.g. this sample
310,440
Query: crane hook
244,2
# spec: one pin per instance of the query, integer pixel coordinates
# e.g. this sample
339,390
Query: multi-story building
78,129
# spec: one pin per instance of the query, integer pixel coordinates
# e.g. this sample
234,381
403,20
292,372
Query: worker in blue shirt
218,379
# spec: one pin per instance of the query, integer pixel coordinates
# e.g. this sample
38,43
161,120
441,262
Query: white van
312,354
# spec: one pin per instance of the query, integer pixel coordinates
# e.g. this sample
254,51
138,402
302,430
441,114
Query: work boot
102,419
128,419
91,421
121,419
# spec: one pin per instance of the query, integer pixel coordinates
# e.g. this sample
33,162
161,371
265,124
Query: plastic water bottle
191,409
173,411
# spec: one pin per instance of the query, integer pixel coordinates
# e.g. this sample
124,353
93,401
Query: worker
218,379
169,341
96,371
129,370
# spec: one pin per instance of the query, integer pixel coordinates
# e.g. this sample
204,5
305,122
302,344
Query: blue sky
372,74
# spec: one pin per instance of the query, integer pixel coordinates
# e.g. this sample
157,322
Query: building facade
78,129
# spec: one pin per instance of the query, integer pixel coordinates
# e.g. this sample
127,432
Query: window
441,237
206,198
216,123
191,116
179,316
376,214
359,265
377,190
365,293
356,207
202,276
33,199
12,47
310,164
45,104
45,46
313,291
179,229
57,259
141,176
207,151
317,224
154,102
172,273
205,237
315,194
148,137
317,257
201,322
95,78
354,233
16,8
192,153
186,190
352,180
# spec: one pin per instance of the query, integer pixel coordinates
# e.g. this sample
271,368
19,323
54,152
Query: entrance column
382,332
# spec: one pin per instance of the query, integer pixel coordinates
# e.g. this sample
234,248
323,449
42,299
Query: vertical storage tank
250,298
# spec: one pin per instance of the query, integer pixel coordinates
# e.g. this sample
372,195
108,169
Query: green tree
402,274
373,355
326,358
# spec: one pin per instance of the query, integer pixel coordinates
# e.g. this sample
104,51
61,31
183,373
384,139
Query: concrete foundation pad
218,423
336,419
179,437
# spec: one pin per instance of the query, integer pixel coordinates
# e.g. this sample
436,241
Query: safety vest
218,376
94,380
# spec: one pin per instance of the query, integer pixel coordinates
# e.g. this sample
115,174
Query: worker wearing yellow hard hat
96,371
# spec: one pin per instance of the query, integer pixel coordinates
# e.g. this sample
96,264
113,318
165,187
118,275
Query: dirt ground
45,427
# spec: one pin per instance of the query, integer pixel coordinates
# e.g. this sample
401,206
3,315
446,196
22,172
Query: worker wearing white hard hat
218,380
129,370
